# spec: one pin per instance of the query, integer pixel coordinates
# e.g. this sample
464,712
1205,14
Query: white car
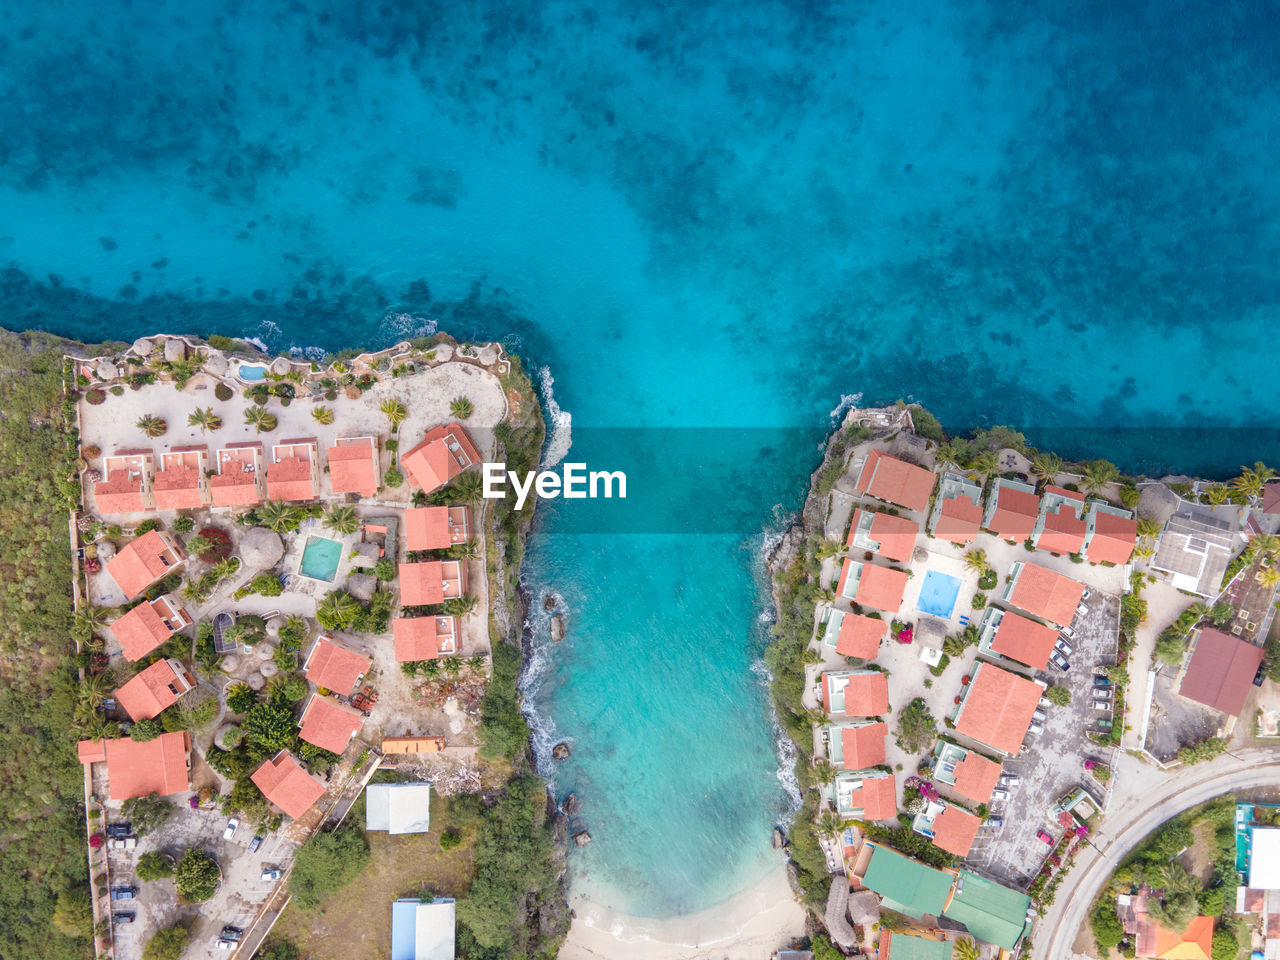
1087,594
1000,795
1062,647
232,826
1067,632
1035,729
1082,610
1010,779
1102,706
272,874
122,843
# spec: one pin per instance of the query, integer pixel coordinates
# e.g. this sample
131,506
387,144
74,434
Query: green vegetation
1058,696
1107,931
166,944
145,730
278,950
461,408
154,865
147,813
1203,751
917,728
197,875
327,862
73,915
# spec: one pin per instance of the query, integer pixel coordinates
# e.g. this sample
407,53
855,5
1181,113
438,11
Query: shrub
146,526
145,730
979,601
95,396
267,585
216,546
241,698
1107,930
197,876
385,570
1058,696
916,726
393,478
223,392
154,865
147,813
449,839
183,525
167,944
326,863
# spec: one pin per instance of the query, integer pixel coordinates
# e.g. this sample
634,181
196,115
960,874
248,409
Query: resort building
895,481
868,585
996,708
865,795
1220,674
431,582
883,533
1060,525
906,886
126,483
398,807
148,625
436,528
329,725
957,514
424,638
422,930
335,668
293,475
1008,634
149,693
182,483
1150,939
853,635
856,745
286,784
1012,510
964,771
948,827
138,768
238,482
1043,593
1110,534
992,913
444,453
143,561
353,466
1195,549
855,693
911,946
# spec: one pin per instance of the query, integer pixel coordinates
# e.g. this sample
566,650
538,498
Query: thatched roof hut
269,669
280,366
256,681
261,549
143,347
229,663
364,555
837,916
864,908
107,370
216,364
174,350
362,586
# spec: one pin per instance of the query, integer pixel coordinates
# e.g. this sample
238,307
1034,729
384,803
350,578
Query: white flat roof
1264,858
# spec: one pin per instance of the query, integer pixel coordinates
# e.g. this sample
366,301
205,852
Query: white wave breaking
847,402
537,672
560,430
408,325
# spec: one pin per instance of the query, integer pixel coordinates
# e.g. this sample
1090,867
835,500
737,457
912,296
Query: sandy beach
749,926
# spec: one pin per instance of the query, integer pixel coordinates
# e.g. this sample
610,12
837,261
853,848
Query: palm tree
477,662
460,606
451,666
1216,494
1149,528
431,669
337,609
278,516
260,419
205,419
1200,610
224,568
1267,544
824,771
1252,480
1269,577
342,520
984,465
236,634
966,949
152,426
1046,467
380,604
322,415
829,823
976,560
89,620
829,548
394,411
94,689
1098,474
461,407
468,487
946,456
199,590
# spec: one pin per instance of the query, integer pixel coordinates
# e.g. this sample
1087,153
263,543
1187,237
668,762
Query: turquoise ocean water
735,216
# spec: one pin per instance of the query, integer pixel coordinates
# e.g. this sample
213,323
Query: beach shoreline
751,925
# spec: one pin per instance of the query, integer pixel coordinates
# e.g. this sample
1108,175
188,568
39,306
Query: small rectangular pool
938,594
320,559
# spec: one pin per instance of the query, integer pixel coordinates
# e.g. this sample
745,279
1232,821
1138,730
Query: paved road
1128,822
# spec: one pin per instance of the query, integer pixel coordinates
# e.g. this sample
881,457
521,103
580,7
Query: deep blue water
712,215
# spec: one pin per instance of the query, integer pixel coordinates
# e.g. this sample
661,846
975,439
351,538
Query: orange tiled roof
878,797
290,480
864,745
881,588
328,725
140,563
418,638
1024,640
896,535
959,520
285,783
1015,514
998,708
121,492
433,462
1063,532
136,769
151,692
353,468
860,636
1046,594
142,629
1113,539
976,777
896,481
426,528
335,668
177,484
235,484
422,583
866,695
954,830
1195,943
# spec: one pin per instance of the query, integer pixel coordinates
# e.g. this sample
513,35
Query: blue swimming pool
938,594
320,558
252,371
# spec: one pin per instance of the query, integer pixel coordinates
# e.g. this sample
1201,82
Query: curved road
1124,829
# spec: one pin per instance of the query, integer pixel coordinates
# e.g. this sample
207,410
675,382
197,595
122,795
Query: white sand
749,926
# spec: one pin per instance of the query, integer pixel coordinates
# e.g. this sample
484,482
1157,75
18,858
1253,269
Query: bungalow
1110,534
127,484
424,638
436,528
883,533
335,668
1220,674
906,886
431,581
895,481
181,483
868,585
155,689
990,912
1020,638
1195,549
1012,509
143,561
238,482
911,946
947,826
865,795
855,693
293,474
353,466
444,452
287,785
1150,939
398,807
328,725
853,635
139,768
965,771
148,625
996,708
423,930
856,744
957,515
1059,527
1043,593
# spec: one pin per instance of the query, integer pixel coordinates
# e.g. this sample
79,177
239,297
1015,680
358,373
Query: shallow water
705,215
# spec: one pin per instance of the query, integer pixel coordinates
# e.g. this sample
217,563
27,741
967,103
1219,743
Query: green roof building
899,946
906,885
991,912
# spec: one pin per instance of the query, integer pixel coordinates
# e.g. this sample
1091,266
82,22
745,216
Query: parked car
123,893
120,829
1100,681
1259,676
1067,632
1044,702
1082,610
1035,729
1102,706
999,796
1087,594
122,843
232,825
1062,647
995,821
1059,661
1010,779
1039,716
256,842
273,873
123,917
225,944
1042,835
1102,724
1102,693
231,933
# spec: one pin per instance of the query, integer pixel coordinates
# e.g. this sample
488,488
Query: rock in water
582,838
560,751
548,602
557,627
779,839
571,805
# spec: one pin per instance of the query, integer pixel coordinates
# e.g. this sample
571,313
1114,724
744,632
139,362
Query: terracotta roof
177,484
285,783
353,467
136,769
235,484
878,587
959,520
426,528
954,830
335,668
1221,671
1046,594
1064,493
863,745
1024,640
887,478
121,492
1195,943
878,797
142,629
998,707
141,562
419,638
328,725
976,777
865,695
1015,514
444,453
290,479
154,690
896,535
860,636
1113,539
1271,497
1063,532
421,583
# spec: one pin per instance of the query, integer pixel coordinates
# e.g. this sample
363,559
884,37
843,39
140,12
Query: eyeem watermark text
574,482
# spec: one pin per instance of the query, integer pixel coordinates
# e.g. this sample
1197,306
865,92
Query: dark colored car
123,893
256,842
231,933
124,917
1259,676
119,829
